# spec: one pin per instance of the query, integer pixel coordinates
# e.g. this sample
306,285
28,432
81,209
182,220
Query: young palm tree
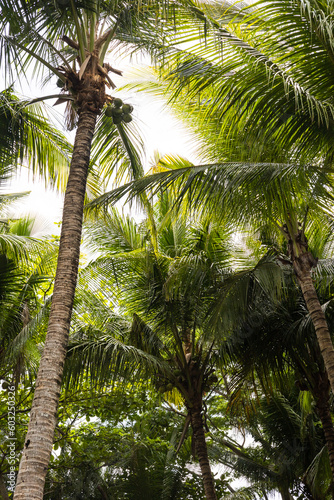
168,306
71,41
169,287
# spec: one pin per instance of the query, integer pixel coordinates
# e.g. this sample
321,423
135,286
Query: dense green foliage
197,302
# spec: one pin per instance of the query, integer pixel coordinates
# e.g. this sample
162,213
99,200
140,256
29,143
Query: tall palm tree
71,41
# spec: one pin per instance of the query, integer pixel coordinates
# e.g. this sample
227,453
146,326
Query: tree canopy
186,351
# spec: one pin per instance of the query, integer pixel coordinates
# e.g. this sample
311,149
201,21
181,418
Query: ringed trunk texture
39,438
319,321
202,451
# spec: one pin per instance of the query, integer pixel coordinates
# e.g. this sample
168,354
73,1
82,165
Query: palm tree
71,41
253,101
276,346
287,453
167,287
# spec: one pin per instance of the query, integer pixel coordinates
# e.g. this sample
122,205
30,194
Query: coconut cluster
119,112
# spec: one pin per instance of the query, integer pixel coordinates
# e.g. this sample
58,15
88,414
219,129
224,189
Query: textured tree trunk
103,492
39,439
318,319
303,262
285,494
202,451
327,424
321,395
3,489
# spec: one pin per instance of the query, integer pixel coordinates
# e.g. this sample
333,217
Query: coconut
117,102
117,111
117,119
127,118
109,111
127,108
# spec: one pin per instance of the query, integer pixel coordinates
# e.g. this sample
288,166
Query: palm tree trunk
285,494
321,395
39,439
327,425
202,451
3,489
317,315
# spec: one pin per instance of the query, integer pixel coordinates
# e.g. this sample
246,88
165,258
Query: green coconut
117,111
127,108
117,119
117,102
109,111
127,118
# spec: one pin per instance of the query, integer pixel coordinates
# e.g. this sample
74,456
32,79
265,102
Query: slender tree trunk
202,451
321,395
285,494
39,439
3,489
103,492
303,262
318,318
